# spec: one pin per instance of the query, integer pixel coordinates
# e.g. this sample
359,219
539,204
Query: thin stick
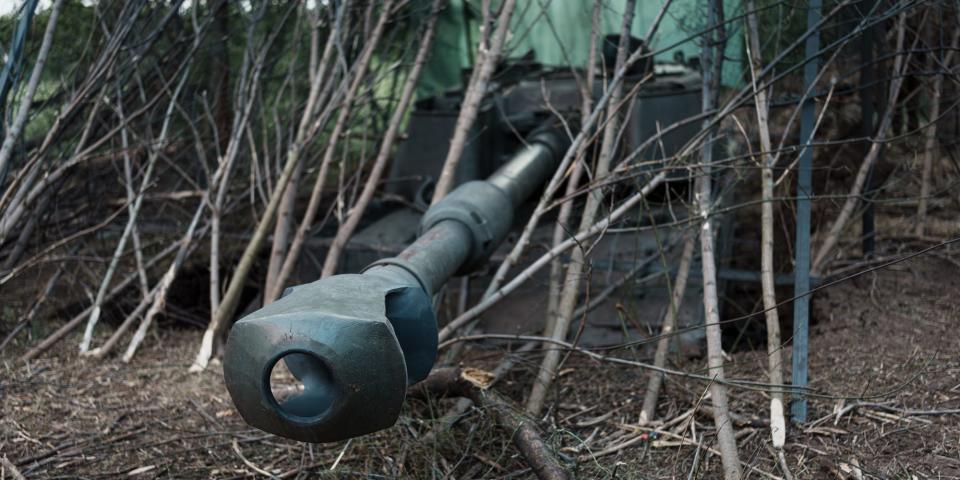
563,218
104,349
285,218
778,424
586,133
131,198
248,463
281,232
10,468
930,150
313,204
474,384
232,296
163,288
32,312
247,90
132,218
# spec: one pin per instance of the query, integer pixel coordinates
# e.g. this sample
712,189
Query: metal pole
801,306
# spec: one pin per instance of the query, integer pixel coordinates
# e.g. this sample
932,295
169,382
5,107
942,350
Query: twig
931,142
781,460
744,384
74,322
696,459
311,126
166,282
248,463
132,220
545,259
11,469
231,299
563,218
34,308
473,383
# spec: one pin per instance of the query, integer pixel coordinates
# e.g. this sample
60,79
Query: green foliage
231,33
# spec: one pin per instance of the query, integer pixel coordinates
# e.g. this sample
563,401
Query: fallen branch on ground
472,383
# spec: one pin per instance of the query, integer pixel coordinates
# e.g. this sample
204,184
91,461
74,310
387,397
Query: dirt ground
884,365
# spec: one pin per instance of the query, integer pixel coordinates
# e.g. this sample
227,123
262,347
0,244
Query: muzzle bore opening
300,386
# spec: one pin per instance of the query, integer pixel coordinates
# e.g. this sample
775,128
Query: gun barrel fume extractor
356,341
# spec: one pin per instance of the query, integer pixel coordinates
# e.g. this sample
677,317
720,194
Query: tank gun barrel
356,341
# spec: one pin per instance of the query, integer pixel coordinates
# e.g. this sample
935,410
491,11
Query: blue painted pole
12,66
801,306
